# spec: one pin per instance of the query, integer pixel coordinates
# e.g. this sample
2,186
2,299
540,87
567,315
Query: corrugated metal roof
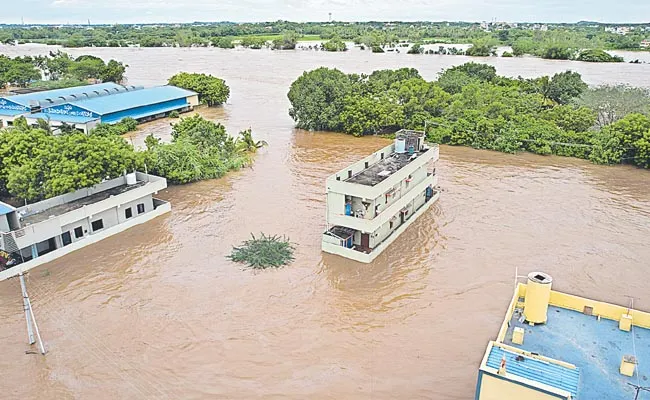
550,374
25,99
5,208
138,98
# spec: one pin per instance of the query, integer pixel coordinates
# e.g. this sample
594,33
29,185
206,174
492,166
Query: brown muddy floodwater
158,312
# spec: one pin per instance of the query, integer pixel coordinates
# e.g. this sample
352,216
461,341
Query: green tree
563,87
597,56
334,44
288,41
113,72
416,49
612,103
212,91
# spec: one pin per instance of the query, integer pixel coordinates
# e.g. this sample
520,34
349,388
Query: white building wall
84,224
4,223
133,205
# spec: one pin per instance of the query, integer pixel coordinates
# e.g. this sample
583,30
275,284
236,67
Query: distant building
554,345
86,106
645,44
41,232
370,203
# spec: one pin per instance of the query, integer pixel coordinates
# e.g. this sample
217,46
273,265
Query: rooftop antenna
330,14
638,389
22,20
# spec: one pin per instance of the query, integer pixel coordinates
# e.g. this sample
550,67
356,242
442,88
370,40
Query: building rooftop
71,119
383,169
554,375
595,346
51,95
75,204
132,99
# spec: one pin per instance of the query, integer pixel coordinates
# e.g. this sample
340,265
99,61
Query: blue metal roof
595,346
5,208
553,375
138,98
43,96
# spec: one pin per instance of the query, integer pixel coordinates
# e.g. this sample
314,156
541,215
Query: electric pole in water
29,316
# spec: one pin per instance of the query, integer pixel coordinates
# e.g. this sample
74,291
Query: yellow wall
605,310
498,389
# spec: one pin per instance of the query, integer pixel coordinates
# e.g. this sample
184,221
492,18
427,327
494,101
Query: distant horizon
26,23
78,12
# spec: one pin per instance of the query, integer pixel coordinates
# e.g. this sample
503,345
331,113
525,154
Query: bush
173,114
506,54
335,45
377,49
212,90
264,252
597,56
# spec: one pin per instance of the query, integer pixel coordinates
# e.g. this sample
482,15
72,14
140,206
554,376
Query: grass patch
264,252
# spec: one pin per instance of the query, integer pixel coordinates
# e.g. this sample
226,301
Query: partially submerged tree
264,252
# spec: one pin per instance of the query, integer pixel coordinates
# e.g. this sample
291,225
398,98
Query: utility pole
29,316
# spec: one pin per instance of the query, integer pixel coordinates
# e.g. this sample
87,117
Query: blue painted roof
553,375
5,208
595,347
138,98
42,96
73,119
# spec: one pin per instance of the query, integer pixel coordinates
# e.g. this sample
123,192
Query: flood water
159,312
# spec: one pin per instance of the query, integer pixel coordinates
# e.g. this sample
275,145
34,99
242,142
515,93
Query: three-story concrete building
41,232
370,203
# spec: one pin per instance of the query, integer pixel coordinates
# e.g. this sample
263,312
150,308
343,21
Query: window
382,156
97,225
391,224
128,213
366,164
140,208
78,232
66,238
338,178
349,173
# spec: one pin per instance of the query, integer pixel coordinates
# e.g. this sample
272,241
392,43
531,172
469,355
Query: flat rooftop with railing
381,170
76,204
585,348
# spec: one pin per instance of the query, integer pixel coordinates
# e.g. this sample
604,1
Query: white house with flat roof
370,203
41,232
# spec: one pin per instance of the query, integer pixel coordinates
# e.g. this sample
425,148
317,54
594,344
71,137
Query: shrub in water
264,252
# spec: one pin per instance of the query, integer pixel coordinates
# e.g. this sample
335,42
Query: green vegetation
507,54
288,41
174,114
470,105
482,48
264,252
334,44
212,90
416,49
61,69
200,149
597,56
553,41
35,164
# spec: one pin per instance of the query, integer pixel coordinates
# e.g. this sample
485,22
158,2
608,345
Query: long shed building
86,106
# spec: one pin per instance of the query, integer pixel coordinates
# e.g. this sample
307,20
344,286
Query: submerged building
86,106
41,232
554,345
370,203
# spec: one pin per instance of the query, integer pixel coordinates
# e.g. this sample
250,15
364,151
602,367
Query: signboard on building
69,109
10,105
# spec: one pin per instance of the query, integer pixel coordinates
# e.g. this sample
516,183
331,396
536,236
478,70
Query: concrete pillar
58,241
34,251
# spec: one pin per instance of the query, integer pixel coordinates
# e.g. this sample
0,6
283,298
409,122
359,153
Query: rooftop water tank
400,145
131,179
538,295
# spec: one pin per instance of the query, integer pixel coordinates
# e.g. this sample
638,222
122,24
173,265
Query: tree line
36,163
552,41
470,105
57,70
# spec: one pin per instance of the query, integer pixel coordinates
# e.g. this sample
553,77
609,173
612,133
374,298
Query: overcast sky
134,11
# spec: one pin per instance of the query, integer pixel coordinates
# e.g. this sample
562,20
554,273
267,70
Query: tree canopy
470,105
212,90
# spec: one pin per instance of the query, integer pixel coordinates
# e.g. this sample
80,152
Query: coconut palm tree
246,143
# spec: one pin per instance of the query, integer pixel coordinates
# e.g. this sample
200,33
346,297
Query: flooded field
159,312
